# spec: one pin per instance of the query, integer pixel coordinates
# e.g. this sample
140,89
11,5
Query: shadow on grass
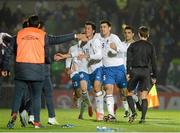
114,122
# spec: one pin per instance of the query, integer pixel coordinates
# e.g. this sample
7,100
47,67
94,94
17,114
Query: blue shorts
76,81
85,76
115,75
96,75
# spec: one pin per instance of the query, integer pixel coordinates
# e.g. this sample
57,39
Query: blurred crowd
161,16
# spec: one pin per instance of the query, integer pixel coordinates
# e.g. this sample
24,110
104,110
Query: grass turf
156,121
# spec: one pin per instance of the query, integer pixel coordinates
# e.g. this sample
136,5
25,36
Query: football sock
144,107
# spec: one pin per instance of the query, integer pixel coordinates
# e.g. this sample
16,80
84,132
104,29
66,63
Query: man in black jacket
141,66
4,40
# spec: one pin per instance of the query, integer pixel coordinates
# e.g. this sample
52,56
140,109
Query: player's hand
153,80
113,46
82,37
69,71
58,57
127,77
74,67
111,54
4,73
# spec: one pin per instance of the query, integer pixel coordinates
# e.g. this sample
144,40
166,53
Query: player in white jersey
72,70
75,69
85,85
93,53
80,66
129,38
113,70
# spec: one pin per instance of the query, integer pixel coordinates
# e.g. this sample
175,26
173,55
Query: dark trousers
47,91
20,89
27,105
26,102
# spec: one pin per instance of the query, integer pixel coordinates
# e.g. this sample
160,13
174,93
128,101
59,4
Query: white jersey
93,48
105,42
82,64
73,63
126,45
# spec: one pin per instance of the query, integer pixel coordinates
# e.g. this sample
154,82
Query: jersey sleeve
119,45
129,59
69,60
153,63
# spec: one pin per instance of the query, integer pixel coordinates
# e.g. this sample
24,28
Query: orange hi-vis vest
30,46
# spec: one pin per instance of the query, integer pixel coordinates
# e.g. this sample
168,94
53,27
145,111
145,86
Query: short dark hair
92,25
105,22
143,31
33,21
25,24
129,28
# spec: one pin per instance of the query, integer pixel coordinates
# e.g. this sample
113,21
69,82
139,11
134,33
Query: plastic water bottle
107,129
103,129
98,129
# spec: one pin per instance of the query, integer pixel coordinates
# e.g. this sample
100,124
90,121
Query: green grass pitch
157,121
